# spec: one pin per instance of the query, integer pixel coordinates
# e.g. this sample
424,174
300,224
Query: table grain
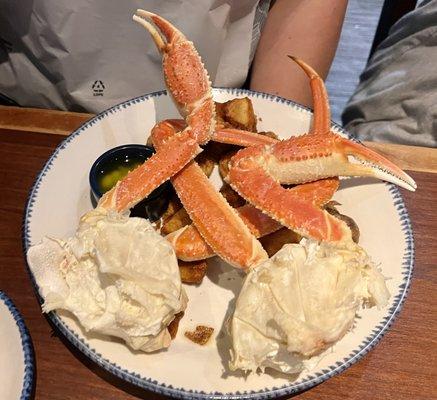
402,366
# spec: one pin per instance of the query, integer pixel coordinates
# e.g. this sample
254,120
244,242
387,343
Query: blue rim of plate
26,347
297,386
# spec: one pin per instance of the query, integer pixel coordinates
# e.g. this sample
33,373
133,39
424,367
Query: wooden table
402,366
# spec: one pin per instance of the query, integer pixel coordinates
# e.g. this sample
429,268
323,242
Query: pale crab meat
296,305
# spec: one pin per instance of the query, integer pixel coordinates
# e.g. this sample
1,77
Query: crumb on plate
200,335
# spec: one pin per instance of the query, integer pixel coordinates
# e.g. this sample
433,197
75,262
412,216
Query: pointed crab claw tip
298,61
144,13
379,166
156,36
166,29
311,73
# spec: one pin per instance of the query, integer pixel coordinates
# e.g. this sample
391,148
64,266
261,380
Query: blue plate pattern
27,347
268,393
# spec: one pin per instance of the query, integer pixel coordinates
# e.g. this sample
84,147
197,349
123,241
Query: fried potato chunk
174,205
239,113
206,162
175,222
274,242
201,335
231,196
193,271
149,141
236,113
271,134
224,163
174,325
220,115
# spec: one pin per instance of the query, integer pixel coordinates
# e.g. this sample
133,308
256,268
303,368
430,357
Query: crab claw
362,161
256,173
308,158
185,76
170,32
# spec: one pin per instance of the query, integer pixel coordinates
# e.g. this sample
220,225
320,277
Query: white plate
61,195
16,353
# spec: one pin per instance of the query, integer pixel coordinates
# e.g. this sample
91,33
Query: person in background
88,56
396,99
308,29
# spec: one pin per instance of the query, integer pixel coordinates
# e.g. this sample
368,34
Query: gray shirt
89,55
396,100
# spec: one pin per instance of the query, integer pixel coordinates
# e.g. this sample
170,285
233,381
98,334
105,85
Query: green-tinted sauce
116,169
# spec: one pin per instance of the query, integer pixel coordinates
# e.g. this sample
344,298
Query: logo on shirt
98,87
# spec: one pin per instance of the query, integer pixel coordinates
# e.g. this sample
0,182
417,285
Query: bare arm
308,29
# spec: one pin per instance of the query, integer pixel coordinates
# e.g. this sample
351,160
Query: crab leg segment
190,246
240,138
322,114
251,180
188,83
311,157
217,222
233,136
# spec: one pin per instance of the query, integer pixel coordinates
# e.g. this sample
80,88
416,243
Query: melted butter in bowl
114,165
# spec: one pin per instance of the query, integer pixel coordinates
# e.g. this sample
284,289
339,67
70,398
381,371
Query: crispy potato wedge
149,141
174,205
227,115
239,113
174,325
220,115
178,220
206,162
274,242
193,271
216,150
224,163
231,196
273,135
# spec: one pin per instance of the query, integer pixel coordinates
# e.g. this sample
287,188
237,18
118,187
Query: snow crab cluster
312,162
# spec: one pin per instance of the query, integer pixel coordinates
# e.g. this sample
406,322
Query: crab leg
217,222
188,83
190,246
240,138
233,136
256,173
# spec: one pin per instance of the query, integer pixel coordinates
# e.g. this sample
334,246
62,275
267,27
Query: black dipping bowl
151,207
